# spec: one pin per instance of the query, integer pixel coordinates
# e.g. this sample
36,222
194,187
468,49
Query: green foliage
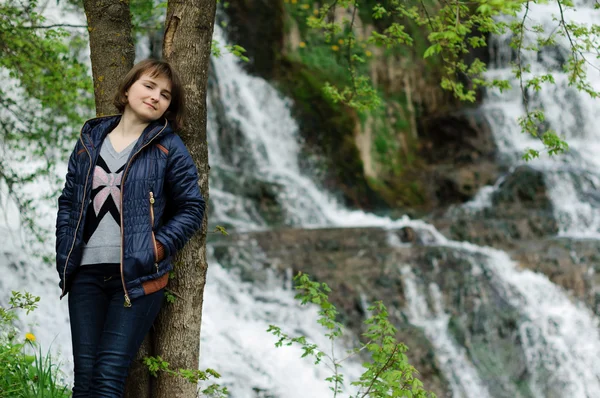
147,15
220,229
170,297
24,301
234,49
394,143
25,372
453,30
327,125
45,90
387,373
157,364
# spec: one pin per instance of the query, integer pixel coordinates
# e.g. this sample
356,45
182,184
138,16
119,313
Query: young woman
131,200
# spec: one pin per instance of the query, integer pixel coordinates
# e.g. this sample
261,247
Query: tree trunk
139,382
187,46
111,48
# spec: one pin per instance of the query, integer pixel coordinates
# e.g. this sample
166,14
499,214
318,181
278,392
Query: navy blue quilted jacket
161,203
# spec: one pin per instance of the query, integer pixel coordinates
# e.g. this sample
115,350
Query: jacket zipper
80,215
127,300
152,230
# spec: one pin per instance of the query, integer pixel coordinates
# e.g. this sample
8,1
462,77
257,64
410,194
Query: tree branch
519,49
574,49
349,55
60,25
354,352
387,364
427,15
331,6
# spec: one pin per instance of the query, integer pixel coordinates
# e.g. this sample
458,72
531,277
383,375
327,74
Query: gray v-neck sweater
102,231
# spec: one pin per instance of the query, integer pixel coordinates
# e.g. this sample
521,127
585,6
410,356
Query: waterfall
234,342
561,339
299,190
573,180
462,375
254,141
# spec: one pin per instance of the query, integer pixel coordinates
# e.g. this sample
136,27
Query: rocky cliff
422,150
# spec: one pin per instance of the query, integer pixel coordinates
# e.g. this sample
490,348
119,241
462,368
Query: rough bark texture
111,46
139,383
187,45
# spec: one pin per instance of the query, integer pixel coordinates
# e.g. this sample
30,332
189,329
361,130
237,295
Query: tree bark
111,48
187,46
139,382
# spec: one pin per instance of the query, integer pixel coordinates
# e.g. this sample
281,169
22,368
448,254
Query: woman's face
149,97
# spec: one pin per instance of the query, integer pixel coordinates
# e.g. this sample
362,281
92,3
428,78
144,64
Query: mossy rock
328,131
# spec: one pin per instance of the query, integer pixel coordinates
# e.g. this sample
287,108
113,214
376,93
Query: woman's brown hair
176,111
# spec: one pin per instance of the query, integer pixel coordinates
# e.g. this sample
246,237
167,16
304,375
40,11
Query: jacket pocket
154,245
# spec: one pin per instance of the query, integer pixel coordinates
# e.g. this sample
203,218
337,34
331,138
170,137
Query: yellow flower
302,44
305,6
316,12
341,41
30,337
335,48
368,53
294,1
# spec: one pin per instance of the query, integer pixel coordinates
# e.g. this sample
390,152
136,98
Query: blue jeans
106,335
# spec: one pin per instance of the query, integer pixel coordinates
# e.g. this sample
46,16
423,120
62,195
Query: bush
25,372
387,372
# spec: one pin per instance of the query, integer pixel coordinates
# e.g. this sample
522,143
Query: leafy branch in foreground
18,301
388,372
235,49
195,376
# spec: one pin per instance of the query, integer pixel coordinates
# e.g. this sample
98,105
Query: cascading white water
573,180
458,369
235,317
562,337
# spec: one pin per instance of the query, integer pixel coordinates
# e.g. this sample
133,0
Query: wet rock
454,184
520,209
524,188
363,265
460,151
459,138
573,264
260,198
408,235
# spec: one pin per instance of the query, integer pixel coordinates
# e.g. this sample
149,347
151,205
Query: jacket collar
95,130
